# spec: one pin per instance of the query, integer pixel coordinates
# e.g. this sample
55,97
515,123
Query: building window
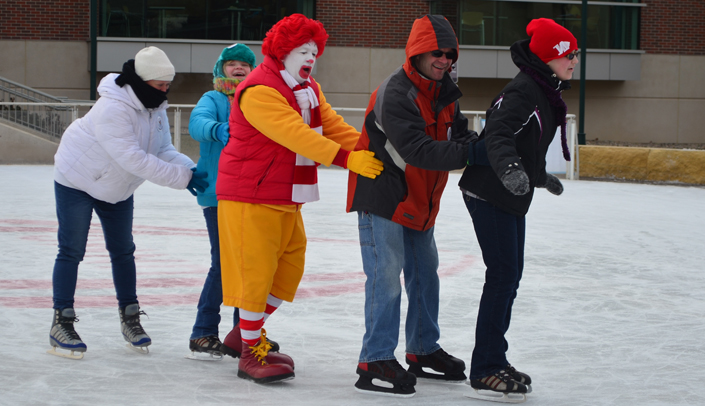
610,24
239,20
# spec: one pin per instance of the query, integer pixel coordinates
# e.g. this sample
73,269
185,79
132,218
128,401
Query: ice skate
205,349
499,387
232,346
520,377
256,366
132,330
439,366
63,336
387,378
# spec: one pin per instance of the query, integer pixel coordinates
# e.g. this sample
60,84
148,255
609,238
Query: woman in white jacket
102,158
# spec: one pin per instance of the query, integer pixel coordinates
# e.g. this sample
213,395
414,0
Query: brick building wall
667,26
64,20
673,27
369,23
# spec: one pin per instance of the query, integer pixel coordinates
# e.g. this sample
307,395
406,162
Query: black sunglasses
572,56
438,53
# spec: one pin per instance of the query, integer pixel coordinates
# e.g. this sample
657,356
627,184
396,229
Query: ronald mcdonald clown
281,129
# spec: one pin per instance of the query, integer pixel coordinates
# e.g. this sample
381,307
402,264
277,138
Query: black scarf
556,101
150,97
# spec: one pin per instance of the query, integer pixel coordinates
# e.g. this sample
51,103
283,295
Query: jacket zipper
264,176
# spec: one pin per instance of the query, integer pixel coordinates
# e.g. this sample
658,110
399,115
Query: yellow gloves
363,163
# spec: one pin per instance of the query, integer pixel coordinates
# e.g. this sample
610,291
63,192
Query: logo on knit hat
562,47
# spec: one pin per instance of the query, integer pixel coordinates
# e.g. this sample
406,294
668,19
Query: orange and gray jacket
413,125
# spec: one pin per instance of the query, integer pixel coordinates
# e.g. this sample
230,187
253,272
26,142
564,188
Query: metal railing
49,120
40,112
74,110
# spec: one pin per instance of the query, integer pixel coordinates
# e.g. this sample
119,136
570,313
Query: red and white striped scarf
305,188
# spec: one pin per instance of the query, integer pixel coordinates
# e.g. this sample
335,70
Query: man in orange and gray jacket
414,126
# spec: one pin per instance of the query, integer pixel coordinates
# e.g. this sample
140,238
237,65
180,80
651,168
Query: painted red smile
305,72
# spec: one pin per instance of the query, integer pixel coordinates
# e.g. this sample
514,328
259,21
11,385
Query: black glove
197,183
552,184
516,180
477,153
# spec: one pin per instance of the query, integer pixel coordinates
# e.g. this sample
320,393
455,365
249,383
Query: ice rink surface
610,310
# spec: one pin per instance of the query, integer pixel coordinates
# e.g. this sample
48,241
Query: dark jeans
501,238
208,316
74,210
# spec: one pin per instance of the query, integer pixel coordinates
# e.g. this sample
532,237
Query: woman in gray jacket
102,159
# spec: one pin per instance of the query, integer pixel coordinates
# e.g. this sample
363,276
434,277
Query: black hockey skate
445,367
132,330
391,372
205,349
62,335
499,387
520,377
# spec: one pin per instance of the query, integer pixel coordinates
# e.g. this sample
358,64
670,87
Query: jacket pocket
262,178
101,173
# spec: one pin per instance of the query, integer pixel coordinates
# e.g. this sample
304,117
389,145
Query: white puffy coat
118,145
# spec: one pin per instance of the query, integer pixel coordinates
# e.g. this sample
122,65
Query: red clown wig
292,32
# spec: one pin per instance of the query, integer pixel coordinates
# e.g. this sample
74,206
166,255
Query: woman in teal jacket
209,126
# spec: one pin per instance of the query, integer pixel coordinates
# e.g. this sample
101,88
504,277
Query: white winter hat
151,63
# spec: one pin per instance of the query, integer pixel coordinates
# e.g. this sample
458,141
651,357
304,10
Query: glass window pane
122,18
501,23
196,19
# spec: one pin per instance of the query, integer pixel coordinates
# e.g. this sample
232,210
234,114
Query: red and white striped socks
251,322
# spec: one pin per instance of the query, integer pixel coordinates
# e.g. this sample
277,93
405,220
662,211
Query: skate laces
261,349
133,322
66,326
67,320
395,365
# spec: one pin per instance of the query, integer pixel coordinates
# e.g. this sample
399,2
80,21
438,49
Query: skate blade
204,356
382,393
499,397
378,387
73,355
440,378
139,350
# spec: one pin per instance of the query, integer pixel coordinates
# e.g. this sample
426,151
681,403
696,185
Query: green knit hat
235,52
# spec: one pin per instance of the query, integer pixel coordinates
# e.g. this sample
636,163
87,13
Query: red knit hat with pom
549,40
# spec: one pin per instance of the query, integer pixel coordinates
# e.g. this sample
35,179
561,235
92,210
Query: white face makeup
299,63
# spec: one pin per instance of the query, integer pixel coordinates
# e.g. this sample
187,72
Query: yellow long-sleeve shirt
270,113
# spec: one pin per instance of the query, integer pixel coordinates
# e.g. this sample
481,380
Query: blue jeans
74,209
387,249
208,316
501,238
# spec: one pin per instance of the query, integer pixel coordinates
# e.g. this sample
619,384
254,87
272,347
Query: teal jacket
211,112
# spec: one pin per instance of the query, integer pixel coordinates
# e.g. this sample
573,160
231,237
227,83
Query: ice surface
610,311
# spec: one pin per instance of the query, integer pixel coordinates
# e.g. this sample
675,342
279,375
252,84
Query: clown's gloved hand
516,180
223,133
363,163
552,184
197,183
